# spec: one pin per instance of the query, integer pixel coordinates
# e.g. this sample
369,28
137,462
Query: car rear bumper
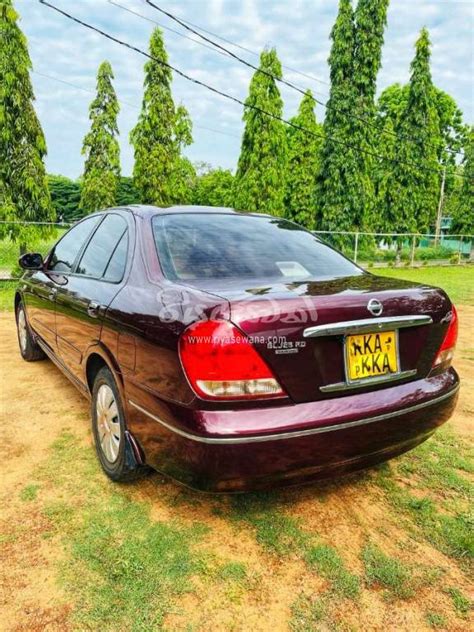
287,445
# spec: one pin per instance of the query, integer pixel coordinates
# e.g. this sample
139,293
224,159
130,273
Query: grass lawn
7,292
457,281
10,250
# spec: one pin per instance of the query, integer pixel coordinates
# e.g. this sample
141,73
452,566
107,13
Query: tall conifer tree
464,216
101,147
259,183
370,20
338,188
160,134
303,162
24,193
412,178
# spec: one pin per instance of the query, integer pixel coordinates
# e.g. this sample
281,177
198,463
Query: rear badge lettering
280,345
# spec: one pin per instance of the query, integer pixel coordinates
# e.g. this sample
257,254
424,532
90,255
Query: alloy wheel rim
108,423
22,331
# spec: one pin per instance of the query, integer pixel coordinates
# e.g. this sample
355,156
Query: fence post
356,246
460,249
412,256
440,209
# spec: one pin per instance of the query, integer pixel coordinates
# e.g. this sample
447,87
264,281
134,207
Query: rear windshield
203,246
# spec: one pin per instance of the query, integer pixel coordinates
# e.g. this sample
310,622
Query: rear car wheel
110,435
29,348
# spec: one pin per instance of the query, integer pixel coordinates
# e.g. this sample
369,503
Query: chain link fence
402,249
367,249
17,238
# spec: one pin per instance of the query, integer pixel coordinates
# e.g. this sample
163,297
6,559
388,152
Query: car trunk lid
297,329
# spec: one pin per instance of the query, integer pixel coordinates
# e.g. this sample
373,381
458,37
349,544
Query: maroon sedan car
236,351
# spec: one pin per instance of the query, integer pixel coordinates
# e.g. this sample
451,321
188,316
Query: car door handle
93,309
52,293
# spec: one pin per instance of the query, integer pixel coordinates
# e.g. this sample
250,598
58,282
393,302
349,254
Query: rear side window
67,249
116,266
204,246
102,247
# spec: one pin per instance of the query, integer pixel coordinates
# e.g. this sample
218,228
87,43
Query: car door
97,277
40,287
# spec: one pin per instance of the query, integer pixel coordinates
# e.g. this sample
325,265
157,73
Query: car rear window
203,246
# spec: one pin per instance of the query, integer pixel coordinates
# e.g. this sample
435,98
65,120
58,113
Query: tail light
446,351
220,362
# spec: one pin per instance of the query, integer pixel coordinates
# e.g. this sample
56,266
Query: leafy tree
370,19
463,219
214,188
385,221
303,164
451,132
183,181
24,193
259,184
412,178
126,192
449,138
65,197
101,147
338,183
162,131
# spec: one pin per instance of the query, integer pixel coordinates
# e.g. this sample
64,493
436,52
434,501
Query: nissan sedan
235,351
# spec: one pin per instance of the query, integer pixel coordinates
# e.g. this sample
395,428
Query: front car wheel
29,348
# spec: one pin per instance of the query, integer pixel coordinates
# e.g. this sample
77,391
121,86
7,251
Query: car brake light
220,362
446,351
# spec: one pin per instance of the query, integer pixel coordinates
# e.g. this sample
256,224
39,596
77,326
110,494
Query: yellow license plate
371,355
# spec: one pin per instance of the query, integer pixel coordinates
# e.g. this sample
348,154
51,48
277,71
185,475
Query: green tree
338,184
65,197
451,131
24,193
303,164
101,147
412,178
126,192
463,217
214,188
259,183
183,181
385,221
370,19
160,175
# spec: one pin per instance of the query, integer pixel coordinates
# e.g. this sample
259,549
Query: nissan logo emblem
375,307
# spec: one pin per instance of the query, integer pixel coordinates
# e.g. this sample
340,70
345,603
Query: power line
77,87
130,105
214,50
252,52
166,28
224,94
222,49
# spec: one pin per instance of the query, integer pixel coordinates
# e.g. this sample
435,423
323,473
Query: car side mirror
31,261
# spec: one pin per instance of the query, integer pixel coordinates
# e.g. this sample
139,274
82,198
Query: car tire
29,348
109,430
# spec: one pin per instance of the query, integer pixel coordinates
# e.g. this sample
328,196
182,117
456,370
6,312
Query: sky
298,29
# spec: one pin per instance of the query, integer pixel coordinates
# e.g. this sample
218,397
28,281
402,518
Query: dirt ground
38,403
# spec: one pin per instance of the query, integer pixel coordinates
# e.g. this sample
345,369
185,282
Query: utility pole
440,208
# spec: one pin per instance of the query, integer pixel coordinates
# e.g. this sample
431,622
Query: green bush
438,252
387,255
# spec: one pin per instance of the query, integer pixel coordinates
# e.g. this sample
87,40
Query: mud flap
133,454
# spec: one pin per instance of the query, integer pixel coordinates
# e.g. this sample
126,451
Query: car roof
144,210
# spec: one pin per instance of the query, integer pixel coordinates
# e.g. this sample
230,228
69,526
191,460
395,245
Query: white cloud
300,31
